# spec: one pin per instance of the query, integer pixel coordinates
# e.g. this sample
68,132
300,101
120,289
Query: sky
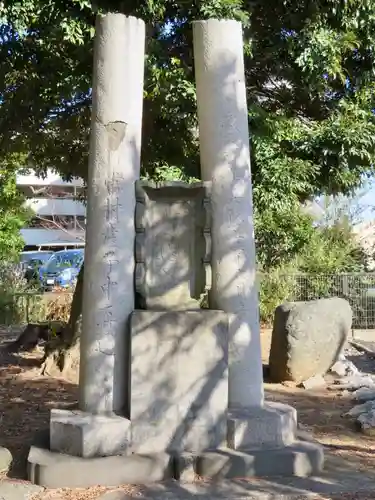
367,203
360,207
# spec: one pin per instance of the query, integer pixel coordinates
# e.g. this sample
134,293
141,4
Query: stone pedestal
179,380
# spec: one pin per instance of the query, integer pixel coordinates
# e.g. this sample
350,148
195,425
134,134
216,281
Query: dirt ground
321,413
26,400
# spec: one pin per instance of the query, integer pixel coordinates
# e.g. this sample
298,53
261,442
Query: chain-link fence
357,288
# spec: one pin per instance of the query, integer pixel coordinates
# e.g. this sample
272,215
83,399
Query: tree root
61,360
34,333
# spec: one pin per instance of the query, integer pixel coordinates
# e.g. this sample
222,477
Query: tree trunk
72,331
61,357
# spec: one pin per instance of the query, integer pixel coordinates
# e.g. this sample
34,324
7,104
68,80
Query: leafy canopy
310,68
13,215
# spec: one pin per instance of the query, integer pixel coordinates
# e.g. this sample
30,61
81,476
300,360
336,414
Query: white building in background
60,217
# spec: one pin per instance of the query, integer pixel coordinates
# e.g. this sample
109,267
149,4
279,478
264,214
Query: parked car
32,261
62,269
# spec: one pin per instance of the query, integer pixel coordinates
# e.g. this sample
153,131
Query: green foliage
323,267
12,213
332,250
12,287
20,303
281,235
166,173
308,65
275,287
309,76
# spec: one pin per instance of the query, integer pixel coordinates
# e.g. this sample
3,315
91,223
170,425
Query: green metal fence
357,288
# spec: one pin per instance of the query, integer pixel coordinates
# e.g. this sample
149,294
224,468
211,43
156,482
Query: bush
21,304
12,286
275,288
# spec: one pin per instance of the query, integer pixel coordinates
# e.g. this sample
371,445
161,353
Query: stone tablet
173,244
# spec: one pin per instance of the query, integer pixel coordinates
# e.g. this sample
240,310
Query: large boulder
307,338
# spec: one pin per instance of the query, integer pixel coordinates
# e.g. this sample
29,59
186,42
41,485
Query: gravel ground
26,400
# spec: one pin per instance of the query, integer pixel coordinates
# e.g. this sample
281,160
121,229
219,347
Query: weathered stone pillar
99,428
225,159
114,165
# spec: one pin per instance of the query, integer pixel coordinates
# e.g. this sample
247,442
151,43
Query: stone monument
168,388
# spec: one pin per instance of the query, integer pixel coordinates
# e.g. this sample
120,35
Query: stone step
55,470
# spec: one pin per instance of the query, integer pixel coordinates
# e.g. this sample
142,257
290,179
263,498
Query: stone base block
178,436
85,435
272,426
300,459
56,470
179,380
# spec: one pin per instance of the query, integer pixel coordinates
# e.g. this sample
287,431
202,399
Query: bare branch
60,222
55,223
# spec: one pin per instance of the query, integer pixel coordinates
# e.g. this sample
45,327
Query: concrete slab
367,346
367,335
339,477
300,459
55,470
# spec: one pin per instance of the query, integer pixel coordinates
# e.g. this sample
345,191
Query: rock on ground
315,382
308,337
364,415
352,383
5,459
366,422
358,410
364,394
343,368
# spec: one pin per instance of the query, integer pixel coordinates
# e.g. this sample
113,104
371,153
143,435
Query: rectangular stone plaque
179,380
172,244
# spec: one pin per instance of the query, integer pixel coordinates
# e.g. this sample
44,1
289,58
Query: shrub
21,304
275,288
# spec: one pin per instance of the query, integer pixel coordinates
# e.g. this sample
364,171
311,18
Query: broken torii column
108,289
